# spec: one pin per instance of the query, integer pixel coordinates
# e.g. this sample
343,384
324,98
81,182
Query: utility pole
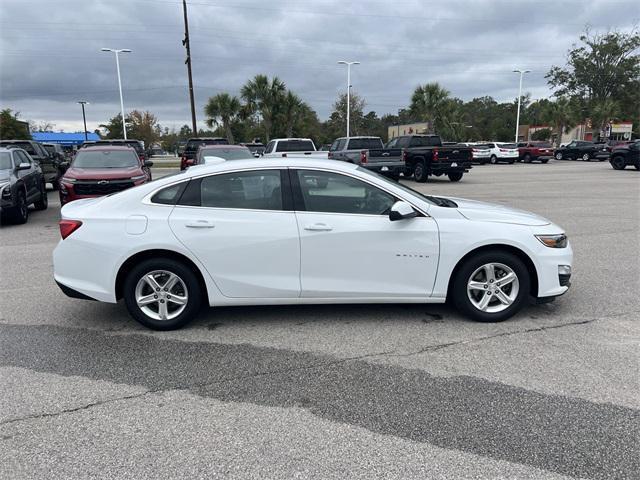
521,72
185,42
117,52
84,118
348,64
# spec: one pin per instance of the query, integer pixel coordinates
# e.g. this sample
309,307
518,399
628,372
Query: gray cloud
50,50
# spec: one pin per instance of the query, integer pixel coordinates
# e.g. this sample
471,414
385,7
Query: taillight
330,155
504,150
436,154
405,155
363,156
67,227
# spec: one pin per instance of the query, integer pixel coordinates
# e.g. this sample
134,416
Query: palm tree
603,112
292,109
562,116
222,110
428,102
263,97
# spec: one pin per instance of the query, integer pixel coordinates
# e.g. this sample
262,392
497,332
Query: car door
28,176
241,227
349,246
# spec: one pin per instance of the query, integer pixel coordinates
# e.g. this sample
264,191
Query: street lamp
117,51
84,118
348,64
521,72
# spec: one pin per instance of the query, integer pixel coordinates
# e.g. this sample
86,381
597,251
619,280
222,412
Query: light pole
521,72
348,64
84,118
117,51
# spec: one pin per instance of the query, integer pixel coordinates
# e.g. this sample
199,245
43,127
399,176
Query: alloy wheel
558,156
161,295
493,287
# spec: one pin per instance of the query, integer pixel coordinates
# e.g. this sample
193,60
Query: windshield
439,201
508,145
228,153
106,159
5,161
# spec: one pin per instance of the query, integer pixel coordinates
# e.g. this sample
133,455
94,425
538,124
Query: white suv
503,152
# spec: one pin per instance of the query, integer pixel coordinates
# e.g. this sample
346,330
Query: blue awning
63,138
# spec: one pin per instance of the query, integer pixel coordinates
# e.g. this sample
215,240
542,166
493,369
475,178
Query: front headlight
554,241
139,177
5,188
68,180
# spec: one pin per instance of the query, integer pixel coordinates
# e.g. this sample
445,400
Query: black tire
20,213
455,176
586,157
420,171
618,163
189,279
527,158
463,275
43,203
493,159
558,155
546,160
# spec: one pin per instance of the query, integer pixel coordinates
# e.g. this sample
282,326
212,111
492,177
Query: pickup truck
626,154
425,155
282,147
532,151
369,153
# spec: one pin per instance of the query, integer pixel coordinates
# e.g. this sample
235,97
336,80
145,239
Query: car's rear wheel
559,156
491,286
527,158
455,176
586,157
162,294
420,172
43,203
618,163
493,159
546,160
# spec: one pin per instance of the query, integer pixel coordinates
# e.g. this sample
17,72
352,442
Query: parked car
191,149
56,150
257,149
603,151
481,152
425,155
22,183
626,154
221,153
277,237
535,151
282,147
503,152
49,164
370,153
577,149
103,170
137,145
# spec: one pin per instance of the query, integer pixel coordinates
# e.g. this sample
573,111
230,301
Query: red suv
97,171
531,151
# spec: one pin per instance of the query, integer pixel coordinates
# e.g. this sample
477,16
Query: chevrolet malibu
302,231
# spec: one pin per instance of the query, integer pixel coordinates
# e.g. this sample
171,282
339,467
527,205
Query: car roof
277,162
117,148
17,141
223,147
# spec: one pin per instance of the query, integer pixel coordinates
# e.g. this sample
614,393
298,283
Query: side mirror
23,166
148,163
63,166
401,210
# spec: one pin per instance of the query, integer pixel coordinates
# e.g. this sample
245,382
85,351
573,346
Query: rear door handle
318,227
200,224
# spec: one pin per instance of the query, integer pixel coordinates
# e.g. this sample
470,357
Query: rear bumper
391,168
71,293
440,168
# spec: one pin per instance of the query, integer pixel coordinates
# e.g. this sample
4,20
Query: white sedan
302,231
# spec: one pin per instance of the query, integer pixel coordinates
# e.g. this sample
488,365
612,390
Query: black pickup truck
426,155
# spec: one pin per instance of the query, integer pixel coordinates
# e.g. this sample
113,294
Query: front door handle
318,227
200,224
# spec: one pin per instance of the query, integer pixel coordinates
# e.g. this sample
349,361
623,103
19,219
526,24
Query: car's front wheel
19,214
455,176
559,156
527,158
491,286
162,294
586,157
493,159
618,163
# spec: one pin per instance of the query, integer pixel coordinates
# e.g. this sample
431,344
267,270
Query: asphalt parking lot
393,391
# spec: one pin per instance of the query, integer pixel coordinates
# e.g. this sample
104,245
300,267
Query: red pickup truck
532,151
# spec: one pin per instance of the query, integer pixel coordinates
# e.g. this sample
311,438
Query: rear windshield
295,146
227,153
194,144
508,145
5,161
425,141
542,145
364,143
481,145
24,145
106,159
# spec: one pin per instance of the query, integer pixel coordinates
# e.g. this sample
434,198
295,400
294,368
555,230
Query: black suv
49,163
577,149
192,146
21,184
626,154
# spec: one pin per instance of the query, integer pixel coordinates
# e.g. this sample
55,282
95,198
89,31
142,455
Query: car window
226,153
392,143
255,190
23,157
169,195
335,193
295,146
5,161
341,143
403,142
364,143
269,147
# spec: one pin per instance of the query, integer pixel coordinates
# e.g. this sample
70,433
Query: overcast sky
50,50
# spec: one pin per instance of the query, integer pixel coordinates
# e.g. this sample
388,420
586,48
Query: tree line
599,82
